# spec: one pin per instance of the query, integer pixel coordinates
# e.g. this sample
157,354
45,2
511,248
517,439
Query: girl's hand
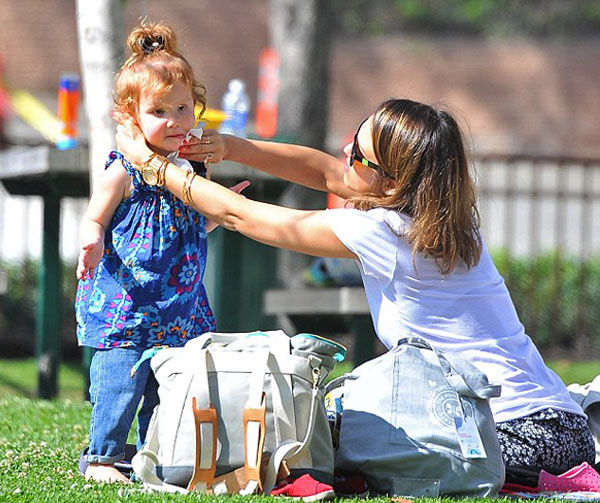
212,147
237,188
131,143
89,256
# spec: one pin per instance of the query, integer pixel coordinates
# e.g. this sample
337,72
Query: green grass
19,377
40,441
575,372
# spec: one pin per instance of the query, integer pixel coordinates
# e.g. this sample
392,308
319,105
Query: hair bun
152,43
150,38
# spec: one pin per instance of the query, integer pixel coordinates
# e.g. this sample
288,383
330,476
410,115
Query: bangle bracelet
189,188
161,174
185,189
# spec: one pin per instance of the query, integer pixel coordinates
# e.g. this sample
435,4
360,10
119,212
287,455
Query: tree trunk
301,34
101,33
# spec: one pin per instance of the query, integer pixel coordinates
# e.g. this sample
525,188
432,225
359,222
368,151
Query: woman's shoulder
392,220
374,225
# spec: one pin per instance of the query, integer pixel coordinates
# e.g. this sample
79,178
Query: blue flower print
148,288
183,276
96,301
178,331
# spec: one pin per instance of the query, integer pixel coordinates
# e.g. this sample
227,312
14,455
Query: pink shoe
304,488
579,478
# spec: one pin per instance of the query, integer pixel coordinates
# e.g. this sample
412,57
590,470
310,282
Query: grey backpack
418,423
233,408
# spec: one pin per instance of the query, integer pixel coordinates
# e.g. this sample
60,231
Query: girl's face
166,118
359,177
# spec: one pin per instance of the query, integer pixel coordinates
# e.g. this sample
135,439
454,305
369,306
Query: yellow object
35,113
211,116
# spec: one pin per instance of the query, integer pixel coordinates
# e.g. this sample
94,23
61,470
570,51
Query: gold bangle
189,188
185,189
161,173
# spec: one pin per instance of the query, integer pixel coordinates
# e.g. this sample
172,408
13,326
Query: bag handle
455,379
291,448
145,460
254,424
279,342
205,462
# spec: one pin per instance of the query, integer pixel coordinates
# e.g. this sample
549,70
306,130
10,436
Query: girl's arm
303,165
113,187
302,231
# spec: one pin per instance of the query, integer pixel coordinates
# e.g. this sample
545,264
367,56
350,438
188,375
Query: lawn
40,440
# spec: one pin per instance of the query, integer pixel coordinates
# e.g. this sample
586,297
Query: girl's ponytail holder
150,44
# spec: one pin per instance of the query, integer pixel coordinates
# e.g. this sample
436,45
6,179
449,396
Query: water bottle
235,104
68,106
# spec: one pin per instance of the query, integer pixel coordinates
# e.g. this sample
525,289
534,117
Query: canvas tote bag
405,415
234,377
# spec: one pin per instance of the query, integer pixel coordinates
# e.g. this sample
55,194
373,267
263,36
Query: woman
414,231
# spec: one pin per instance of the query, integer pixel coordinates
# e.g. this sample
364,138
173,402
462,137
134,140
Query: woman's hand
212,147
132,144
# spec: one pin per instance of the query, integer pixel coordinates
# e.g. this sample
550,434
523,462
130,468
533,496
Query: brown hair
154,66
422,149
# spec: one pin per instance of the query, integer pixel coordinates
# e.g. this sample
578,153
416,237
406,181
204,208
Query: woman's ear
389,186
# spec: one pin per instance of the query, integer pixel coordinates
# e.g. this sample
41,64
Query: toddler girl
143,251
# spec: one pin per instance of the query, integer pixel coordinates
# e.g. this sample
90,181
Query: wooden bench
329,310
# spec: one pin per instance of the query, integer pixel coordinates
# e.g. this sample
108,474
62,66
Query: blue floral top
147,290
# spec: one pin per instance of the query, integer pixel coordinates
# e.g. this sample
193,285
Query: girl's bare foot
105,473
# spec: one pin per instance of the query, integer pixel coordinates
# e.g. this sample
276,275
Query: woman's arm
297,230
303,165
112,188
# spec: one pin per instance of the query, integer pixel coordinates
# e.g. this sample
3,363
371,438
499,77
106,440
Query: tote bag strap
292,448
455,379
146,460
278,341
205,426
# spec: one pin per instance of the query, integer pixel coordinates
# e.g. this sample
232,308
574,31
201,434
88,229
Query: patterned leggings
550,439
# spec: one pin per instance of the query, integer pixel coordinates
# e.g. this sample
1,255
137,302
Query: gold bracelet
189,188
161,173
185,189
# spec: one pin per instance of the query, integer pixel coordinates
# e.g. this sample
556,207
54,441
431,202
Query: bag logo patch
443,406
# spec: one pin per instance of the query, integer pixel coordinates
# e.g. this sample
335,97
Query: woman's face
166,118
358,176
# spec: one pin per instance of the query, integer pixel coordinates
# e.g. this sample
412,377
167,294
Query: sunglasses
356,155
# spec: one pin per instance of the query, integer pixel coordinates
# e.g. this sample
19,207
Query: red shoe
304,488
580,478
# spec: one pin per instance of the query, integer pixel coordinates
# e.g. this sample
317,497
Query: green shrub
557,298
18,307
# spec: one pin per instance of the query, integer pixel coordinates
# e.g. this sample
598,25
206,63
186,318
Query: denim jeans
115,396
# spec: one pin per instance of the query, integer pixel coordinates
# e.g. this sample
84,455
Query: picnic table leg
364,338
48,309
